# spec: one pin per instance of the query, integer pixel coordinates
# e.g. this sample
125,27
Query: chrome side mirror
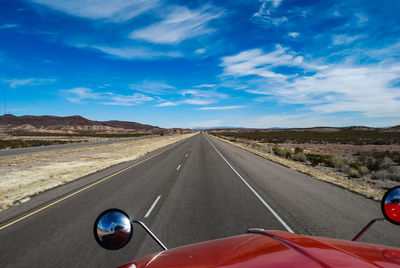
391,205
113,229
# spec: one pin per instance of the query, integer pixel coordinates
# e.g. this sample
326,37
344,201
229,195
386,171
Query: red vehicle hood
274,249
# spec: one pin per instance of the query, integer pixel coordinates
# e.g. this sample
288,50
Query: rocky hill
70,124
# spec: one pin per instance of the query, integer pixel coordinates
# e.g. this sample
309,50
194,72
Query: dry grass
332,177
26,175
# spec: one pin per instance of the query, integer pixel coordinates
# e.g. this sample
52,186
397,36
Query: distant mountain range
70,124
315,129
79,124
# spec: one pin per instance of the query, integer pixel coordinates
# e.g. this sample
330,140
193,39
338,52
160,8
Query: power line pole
5,100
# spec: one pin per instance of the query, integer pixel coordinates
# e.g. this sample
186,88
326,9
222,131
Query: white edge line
152,206
178,167
256,194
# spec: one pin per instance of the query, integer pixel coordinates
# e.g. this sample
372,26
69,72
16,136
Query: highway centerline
168,147
152,207
255,193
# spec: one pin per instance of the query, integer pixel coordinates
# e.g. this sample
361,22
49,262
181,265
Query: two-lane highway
199,189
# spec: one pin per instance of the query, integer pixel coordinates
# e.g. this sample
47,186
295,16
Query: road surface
195,190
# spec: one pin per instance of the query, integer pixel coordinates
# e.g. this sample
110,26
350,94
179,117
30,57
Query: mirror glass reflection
113,229
392,205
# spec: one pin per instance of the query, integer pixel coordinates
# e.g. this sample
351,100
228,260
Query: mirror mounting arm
150,233
366,228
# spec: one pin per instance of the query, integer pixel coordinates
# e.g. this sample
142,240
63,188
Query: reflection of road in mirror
112,219
113,229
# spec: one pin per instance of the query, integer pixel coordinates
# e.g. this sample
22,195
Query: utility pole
5,100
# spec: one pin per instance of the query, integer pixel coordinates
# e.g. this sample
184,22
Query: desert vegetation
80,134
343,136
375,165
366,156
11,144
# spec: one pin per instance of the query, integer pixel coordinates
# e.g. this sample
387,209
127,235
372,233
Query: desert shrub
300,156
354,173
4,144
381,174
316,159
392,173
298,150
282,152
363,170
336,161
395,174
376,161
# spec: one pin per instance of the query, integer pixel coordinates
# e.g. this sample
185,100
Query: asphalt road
206,189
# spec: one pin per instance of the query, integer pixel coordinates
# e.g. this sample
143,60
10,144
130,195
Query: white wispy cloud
153,87
232,107
168,103
205,85
127,100
181,24
204,94
80,94
129,53
256,62
115,10
343,39
28,82
369,89
9,26
194,101
196,97
265,13
361,18
294,34
200,51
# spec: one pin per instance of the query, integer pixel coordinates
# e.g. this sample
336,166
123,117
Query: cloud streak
14,83
80,94
369,89
181,24
256,62
153,87
130,53
232,107
115,11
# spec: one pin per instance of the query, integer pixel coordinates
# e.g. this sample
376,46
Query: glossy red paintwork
274,249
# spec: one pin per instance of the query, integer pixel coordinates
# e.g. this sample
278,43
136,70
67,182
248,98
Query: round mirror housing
391,205
113,229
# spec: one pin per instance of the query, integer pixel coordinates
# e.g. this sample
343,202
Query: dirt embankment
365,187
27,175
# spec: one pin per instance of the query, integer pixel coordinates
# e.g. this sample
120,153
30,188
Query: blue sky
264,63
